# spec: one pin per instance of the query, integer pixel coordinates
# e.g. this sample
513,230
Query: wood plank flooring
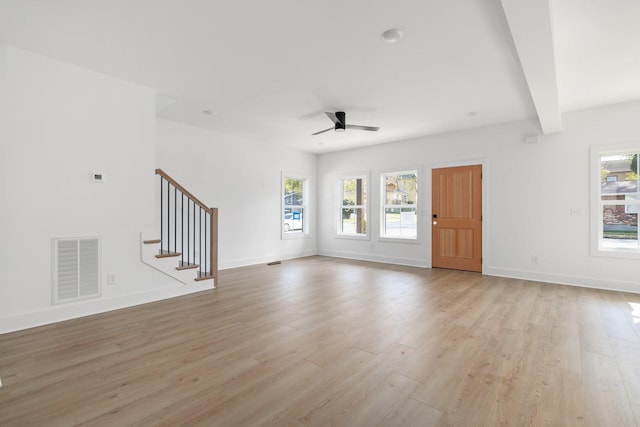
322,341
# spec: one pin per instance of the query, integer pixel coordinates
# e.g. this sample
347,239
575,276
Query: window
399,209
353,207
294,191
617,202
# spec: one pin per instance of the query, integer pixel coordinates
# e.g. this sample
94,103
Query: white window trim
306,186
339,234
596,211
382,205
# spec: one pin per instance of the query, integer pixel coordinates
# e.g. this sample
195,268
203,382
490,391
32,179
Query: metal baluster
161,215
175,219
168,216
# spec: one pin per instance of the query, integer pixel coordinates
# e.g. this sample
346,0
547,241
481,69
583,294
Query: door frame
485,205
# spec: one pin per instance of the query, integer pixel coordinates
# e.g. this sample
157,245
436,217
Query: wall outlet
534,259
112,278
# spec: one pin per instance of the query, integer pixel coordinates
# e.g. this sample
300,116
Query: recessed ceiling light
392,35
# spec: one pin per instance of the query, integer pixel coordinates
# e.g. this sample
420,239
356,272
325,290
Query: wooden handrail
183,190
213,228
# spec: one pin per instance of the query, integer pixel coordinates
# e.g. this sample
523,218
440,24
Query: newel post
213,238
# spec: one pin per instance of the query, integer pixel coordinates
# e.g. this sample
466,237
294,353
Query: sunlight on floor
635,313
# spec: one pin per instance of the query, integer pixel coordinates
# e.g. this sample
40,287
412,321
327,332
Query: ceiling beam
531,29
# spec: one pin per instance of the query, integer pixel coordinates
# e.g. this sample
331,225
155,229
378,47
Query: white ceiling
269,69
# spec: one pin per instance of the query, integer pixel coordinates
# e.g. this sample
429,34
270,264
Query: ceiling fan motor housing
339,119
341,122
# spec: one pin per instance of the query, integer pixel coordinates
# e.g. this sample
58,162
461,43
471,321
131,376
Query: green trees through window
293,220
399,210
619,201
353,209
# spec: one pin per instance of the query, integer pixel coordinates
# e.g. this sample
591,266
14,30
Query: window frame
365,207
597,205
304,233
384,206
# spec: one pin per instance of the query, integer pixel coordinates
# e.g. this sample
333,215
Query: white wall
530,191
59,123
242,179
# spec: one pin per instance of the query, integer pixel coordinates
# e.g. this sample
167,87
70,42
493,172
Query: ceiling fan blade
358,127
333,117
322,131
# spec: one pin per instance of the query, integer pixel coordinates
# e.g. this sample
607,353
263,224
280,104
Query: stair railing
188,229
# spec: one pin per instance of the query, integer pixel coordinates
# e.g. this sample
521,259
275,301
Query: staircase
187,249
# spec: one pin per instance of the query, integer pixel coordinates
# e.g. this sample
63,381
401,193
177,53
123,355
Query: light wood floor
323,341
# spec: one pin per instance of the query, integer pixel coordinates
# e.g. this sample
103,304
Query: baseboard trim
375,258
62,312
246,262
561,279
100,305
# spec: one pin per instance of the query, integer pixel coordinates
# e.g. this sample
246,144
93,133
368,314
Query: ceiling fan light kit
340,124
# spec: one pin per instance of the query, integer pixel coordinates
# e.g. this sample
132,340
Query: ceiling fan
340,124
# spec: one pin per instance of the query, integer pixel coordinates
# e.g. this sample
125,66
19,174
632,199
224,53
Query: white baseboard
561,279
245,262
375,258
59,313
88,307
166,266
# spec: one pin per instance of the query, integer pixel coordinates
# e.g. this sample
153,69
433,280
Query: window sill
399,240
353,236
294,236
616,253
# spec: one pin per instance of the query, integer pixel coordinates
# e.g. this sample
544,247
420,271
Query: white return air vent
76,269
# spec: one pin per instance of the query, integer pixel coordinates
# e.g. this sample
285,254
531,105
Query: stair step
203,275
151,241
186,266
167,254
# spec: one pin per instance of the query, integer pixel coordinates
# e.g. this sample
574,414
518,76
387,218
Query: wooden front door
457,218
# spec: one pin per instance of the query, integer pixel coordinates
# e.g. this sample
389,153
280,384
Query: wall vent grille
76,269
